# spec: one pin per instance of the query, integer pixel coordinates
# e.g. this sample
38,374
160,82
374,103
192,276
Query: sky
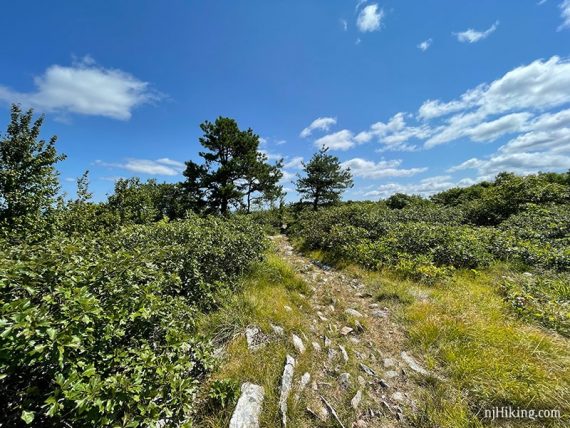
413,96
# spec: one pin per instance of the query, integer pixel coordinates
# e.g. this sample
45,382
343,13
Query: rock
316,346
353,313
331,354
354,340
333,411
391,374
367,370
360,424
328,342
255,338
278,330
361,380
305,379
373,305
379,313
355,402
343,353
414,364
345,330
286,382
298,344
389,362
330,308
314,386
398,396
344,380
383,384
288,308
248,408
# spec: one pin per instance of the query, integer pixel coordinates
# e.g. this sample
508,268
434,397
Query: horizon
414,98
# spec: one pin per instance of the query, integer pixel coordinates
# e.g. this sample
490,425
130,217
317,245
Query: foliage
100,331
325,180
28,179
232,169
224,392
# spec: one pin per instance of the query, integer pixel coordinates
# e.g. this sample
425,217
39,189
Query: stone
328,342
410,361
383,383
255,338
343,353
331,354
286,382
367,370
390,374
278,330
355,402
298,344
316,346
353,313
303,382
345,330
344,380
398,396
361,380
389,362
248,408
379,313
288,308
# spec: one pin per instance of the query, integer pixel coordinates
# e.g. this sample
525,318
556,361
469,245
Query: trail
362,369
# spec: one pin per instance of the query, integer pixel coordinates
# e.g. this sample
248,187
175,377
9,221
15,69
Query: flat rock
367,370
328,342
316,346
414,365
344,380
345,330
353,313
343,353
255,338
248,408
398,396
389,362
278,330
390,374
355,402
379,313
298,344
286,382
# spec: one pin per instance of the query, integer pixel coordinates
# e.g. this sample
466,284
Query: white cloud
321,123
295,163
425,187
344,24
425,45
473,36
341,140
394,134
163,166
84,88
565,14
373,170
370,18
520,163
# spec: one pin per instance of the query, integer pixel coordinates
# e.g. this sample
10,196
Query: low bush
99,330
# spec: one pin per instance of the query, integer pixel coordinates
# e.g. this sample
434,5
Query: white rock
298,344
303,382
278,330
398,396
391,374
248,409
345,330
286,382
316,346
353,312
288,308
255,338
344,353
414,364
344,380
328,342
356,400
389,362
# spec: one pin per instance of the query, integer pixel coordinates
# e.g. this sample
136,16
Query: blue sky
414,96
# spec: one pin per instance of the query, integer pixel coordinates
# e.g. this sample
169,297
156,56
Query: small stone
316,347
361,380
373,305
383,384
354,339
367,370
360,424
328,342
286,382
353,313
288,308
343,353
314,386
331,354
298,344
255,338
331,308
379,313
414,364
305,379
344,380
389,362
356,400
390,374
345,330
398,396
278,330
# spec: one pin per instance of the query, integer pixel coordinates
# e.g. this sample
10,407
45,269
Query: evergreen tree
28,178
325,179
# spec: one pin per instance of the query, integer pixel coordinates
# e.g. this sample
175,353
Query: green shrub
99,331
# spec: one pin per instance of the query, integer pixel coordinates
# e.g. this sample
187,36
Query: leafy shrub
99,331
223,392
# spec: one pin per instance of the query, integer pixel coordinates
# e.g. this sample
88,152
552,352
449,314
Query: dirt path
362,370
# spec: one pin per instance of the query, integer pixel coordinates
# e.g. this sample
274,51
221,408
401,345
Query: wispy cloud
321,123
370,18
343,24
425,45
473,36
385,168
565,14
163,166
84,88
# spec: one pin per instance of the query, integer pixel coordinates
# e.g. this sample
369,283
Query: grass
487,355
270,287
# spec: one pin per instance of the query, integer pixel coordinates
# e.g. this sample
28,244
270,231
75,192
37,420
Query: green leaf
28,417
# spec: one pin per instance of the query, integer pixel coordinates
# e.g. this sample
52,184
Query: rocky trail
360,373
